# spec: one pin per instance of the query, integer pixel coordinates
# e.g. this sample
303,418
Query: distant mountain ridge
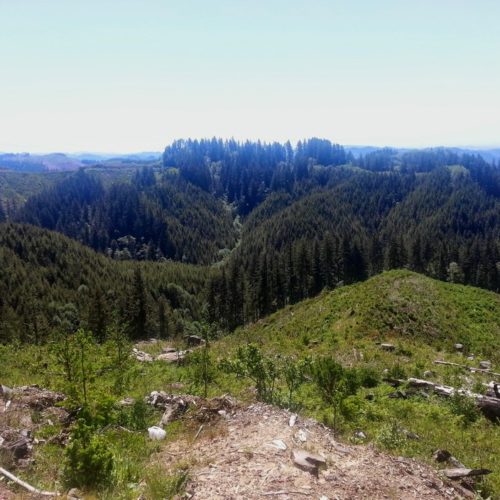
26,162
488,154
59,162
66,162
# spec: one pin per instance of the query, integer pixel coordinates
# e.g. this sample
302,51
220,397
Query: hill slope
397,305
47,279
421,319
144,219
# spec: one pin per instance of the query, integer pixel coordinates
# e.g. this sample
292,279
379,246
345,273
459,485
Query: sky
133,75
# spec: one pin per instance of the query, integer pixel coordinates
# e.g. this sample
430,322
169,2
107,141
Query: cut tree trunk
488,405
465,367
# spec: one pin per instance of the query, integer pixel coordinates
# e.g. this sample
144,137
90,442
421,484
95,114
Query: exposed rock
485,365
127,402
5,392
441,455
307,461
36,398
459,347
142,356
279,444
166,350
428,374
292,420
360,435
301,436
173,356
194,340
388,347
75,494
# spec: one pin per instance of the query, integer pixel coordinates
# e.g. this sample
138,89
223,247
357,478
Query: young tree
138,307
334,383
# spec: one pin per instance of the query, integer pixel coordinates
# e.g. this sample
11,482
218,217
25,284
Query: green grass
422,317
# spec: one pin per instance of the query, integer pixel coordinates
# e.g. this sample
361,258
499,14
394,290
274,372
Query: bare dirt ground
236,452
5,494
235,458
24,410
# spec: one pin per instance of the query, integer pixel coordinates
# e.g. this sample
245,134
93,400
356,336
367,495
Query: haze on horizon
132,76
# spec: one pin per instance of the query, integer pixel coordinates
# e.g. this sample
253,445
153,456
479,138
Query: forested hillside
146,219
52,284
284,222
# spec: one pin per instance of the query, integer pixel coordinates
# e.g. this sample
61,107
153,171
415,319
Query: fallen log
465,367
461,472
488,405
27,486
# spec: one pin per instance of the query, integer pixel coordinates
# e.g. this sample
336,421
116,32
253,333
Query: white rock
308,461
301,436
279,444
292,420
156,433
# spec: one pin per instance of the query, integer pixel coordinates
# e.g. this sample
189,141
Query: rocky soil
240,452
249,454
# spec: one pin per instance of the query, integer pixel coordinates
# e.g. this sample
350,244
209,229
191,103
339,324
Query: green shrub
202,369
368,377
390,436
136,416
88,463
334,383
464,407
261,370
396,371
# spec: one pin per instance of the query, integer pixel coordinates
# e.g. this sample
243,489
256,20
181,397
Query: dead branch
488,405
465,367
27,486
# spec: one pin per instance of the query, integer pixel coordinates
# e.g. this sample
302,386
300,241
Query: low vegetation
318,357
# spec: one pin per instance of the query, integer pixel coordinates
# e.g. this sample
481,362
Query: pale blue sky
124,75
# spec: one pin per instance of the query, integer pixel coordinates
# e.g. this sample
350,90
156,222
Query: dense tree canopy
49,282
281,222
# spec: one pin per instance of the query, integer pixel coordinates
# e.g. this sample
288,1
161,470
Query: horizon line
112,153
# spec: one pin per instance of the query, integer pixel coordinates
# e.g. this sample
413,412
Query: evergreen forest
229,232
